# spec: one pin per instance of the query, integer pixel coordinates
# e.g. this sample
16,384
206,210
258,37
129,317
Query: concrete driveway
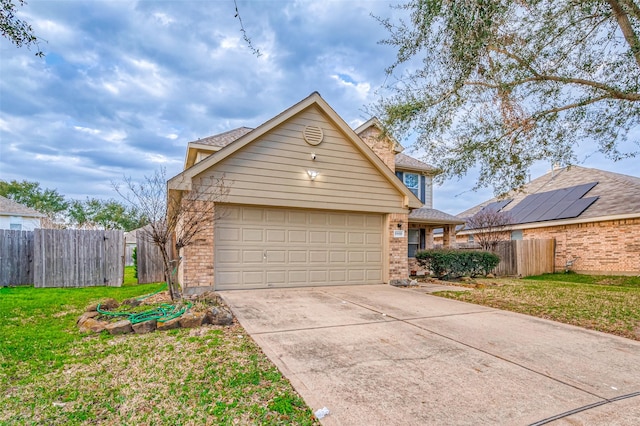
379,355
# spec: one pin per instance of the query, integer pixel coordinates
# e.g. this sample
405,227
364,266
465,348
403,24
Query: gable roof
211,144
182,181
11,208
374,122
404,162
223,139
607,194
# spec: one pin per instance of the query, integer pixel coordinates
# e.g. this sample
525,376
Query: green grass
52,374
622,281
129,276
609,304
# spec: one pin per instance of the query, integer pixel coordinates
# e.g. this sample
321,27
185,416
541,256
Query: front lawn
52,374
604,303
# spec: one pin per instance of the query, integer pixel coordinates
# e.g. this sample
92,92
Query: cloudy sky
126,84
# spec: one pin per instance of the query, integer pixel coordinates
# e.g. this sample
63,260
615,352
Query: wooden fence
526,257
62,258
522,257
16,257
78,258
149,258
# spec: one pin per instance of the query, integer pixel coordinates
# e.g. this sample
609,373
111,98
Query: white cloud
163,18
87,130
160,159
362,89
115,136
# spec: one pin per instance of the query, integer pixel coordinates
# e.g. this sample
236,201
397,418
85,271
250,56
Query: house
593,216
16,216
310,202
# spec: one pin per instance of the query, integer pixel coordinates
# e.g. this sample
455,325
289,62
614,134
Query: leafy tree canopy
104,214
47,201
91,213
501,84
18,32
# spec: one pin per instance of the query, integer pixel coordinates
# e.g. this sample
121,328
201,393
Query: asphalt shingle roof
403,160
433,215
617,194
224,139
11,208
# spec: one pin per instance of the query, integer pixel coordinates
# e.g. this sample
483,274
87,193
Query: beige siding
428,192
272,171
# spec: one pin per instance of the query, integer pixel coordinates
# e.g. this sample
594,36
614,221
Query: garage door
265,247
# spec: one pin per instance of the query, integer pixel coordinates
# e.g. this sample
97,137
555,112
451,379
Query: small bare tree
488,227
175,218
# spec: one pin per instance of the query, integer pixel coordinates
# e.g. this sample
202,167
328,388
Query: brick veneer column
197,261
428,234
448,236
398,249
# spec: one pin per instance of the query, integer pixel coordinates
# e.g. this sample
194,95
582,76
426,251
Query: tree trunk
167,271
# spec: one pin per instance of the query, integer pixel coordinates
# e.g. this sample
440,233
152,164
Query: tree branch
244,33
632,8
626,28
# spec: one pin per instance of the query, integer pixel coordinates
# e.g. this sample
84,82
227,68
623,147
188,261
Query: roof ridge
222,134
619,177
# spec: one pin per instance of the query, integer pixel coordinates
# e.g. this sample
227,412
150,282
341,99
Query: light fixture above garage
313,174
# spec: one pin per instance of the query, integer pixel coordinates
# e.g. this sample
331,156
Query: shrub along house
593,216
310,202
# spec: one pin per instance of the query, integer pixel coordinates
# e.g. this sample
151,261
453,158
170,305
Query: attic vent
313,135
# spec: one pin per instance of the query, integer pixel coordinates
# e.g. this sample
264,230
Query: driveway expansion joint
321,327
584,408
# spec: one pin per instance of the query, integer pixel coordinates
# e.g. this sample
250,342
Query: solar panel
561,203
496,206
521,210
579,191
577,207
555,210
537,211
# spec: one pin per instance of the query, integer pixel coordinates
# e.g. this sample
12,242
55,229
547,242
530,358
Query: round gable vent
313,135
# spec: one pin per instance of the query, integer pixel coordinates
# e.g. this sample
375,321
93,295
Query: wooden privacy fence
525,257
16,257
62,258
78,258
149,258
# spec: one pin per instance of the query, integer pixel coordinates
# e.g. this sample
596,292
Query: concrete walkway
379,355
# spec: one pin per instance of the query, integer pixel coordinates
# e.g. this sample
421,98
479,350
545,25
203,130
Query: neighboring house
593,215
311,202
17,216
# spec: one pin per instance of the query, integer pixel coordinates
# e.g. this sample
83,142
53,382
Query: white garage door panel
265,247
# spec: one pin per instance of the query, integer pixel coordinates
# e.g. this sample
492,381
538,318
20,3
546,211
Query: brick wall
382,146
398,248
609,247
197,261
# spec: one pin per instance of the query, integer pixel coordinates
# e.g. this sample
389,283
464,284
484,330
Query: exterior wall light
313,174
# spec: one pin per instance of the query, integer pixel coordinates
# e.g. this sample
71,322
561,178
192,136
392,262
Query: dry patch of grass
206,376
604,307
